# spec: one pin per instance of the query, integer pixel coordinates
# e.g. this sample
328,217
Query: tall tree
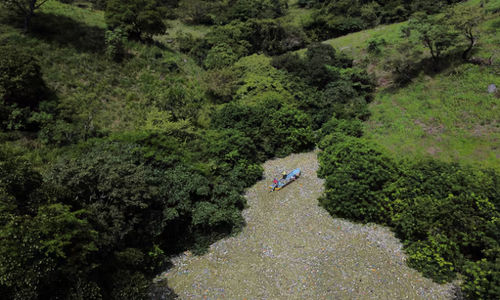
466,20
25,8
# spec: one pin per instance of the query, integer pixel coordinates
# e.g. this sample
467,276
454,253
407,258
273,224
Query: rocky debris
291,248
492,89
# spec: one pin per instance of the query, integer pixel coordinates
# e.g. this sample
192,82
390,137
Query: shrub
220,56
352,128
138,19
21,87
356,175
115,48
274,128
197,11
20,78
222,84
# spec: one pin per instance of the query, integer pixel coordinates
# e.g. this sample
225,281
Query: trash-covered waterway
291,248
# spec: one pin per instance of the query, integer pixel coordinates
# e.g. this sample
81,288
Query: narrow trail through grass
291,248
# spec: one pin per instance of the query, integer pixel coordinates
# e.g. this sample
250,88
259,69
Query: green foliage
454,210
238,39
345,91
19,184
346,127
258,9
405,63
226,11
374,45
115,40
222,84
446,214
136,18
314,67
466,20
482,279
21,79
427,257
197,11
434,33
44,244
274,128
339,17
356,175
21,87
220,56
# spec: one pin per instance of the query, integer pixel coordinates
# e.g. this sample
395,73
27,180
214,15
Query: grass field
450,117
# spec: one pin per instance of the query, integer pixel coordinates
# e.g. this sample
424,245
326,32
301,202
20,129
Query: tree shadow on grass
68,32
428,67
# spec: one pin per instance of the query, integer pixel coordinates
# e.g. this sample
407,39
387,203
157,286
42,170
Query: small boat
290,177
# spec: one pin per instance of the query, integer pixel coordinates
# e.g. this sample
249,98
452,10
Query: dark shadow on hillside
68,32
430,68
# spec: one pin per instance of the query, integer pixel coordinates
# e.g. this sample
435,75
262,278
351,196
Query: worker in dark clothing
284,174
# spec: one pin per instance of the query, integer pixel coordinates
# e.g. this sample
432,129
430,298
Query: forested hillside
130,129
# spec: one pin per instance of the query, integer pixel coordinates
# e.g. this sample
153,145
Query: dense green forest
130,129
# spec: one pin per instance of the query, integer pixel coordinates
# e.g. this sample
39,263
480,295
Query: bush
244,10
220,56
356,175
21,87
197,11
222,84
138,19
374,45
273,128
115,40
352,128
21,80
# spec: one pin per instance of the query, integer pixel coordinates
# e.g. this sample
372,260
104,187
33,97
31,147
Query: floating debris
292,248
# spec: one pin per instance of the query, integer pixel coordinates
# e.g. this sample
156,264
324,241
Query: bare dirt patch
293,249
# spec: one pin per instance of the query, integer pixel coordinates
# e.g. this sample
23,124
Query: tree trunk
472,43
29,15
27,22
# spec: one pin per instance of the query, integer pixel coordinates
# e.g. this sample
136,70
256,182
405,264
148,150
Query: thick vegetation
338,17
118,151
131,155
446,213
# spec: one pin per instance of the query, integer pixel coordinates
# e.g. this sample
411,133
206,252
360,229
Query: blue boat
290,177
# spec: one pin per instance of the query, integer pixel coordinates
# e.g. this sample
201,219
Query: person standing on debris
284,174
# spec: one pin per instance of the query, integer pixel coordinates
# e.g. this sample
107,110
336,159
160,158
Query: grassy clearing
450,117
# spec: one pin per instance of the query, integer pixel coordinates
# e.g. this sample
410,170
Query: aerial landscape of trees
122,146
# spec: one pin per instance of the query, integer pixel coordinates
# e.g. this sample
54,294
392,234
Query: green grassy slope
90,90
69,47
450,115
